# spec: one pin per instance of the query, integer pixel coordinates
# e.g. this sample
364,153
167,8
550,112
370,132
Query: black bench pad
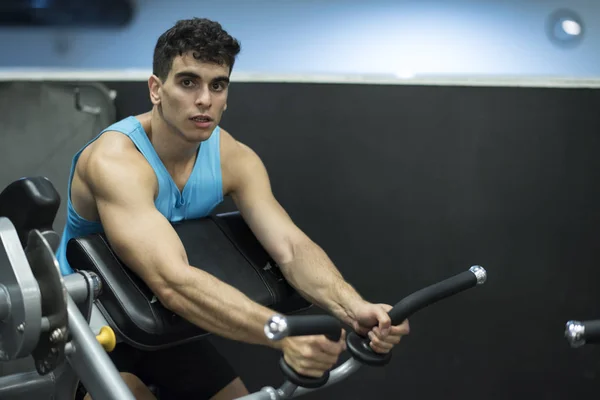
221,245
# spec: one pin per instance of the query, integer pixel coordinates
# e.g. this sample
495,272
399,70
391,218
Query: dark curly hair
206,39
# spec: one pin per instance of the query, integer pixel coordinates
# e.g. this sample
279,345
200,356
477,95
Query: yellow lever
107,338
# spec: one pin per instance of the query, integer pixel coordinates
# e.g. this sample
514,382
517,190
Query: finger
327,344
315,373
331,348
361,330
315,364
343,340
379,349
325,359
377,332
384,320
315,358
400,330
396,330
406,326
393,339
382,348
382,344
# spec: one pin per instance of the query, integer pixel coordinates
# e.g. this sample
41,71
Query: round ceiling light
565,28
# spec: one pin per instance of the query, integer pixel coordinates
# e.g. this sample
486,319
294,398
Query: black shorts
194,370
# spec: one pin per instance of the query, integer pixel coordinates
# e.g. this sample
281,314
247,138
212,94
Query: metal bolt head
96,285
56,335
276,327
21,328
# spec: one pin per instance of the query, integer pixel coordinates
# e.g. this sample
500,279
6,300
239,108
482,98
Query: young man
175,162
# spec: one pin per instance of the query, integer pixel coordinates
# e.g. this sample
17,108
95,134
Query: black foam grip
430,295
591,331
304,325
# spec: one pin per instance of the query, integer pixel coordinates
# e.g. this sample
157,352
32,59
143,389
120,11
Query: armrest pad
221,245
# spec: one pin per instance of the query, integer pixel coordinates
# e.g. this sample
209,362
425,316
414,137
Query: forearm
219,308
313,275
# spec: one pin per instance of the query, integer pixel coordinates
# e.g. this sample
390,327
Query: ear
225,107
154,85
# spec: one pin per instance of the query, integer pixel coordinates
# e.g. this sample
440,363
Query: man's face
193,97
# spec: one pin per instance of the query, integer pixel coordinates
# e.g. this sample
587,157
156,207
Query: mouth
201,118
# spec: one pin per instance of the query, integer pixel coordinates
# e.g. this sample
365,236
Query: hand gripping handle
279,327
359,347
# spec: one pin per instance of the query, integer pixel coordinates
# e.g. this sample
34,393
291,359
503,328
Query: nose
204,97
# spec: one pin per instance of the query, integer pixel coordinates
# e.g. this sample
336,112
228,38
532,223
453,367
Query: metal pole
95,369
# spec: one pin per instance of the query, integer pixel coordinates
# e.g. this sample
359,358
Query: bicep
138,233
144,240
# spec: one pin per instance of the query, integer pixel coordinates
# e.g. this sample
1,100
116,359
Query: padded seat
221,245
31,203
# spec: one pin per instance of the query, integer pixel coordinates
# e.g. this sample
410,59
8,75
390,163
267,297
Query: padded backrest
31,203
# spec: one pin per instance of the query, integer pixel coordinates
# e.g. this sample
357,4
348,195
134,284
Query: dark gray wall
404,186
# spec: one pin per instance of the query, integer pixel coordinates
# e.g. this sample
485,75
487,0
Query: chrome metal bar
95,369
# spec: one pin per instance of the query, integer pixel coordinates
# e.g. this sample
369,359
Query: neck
174,151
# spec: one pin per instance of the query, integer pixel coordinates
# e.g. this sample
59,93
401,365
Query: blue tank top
201,194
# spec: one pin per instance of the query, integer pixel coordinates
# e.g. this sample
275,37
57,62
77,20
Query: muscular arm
123,187
304,264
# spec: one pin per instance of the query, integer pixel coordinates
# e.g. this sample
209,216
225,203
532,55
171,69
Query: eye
187,83
218,86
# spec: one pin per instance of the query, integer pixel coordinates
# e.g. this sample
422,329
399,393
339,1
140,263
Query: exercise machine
69,324
43,315
358,347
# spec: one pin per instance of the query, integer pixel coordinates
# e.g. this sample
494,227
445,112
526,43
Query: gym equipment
358,347
579,333
54,318
42,312
229,251
31,203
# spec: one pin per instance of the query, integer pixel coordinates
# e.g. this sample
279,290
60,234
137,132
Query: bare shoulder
238,161
108,168
230,146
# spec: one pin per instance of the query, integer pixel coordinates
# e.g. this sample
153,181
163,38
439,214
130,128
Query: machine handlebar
280,326
358,345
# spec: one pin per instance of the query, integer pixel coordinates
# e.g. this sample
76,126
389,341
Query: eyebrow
192,75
